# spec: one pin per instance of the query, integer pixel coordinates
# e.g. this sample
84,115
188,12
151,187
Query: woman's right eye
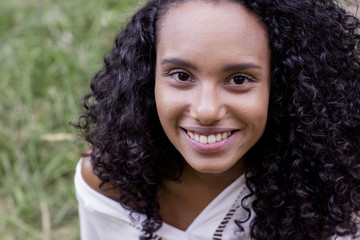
181,76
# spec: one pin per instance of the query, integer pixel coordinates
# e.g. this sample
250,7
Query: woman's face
212,82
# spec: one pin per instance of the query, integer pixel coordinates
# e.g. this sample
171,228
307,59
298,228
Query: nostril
207,115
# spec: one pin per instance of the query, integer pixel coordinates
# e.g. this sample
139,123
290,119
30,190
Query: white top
102,218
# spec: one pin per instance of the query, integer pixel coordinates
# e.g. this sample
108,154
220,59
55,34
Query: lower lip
213,147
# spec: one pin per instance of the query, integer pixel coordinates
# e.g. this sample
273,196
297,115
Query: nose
207,107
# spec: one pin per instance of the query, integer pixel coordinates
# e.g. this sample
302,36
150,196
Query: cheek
262,112
160,102
169,99
260,107
168,104
254,110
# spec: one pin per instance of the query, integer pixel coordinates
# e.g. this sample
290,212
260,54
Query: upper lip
208,130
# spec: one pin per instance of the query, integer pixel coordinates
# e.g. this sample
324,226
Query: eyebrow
180,62
227,68
240,66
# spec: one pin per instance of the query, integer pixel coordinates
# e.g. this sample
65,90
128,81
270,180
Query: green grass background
49,50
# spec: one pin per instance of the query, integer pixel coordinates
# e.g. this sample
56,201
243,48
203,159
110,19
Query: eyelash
179,71
244,77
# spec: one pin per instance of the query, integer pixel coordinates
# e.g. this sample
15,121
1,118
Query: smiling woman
225,120
198,100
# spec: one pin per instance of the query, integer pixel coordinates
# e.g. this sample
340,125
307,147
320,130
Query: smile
213,138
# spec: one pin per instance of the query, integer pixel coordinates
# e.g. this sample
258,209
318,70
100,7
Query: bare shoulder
88,175
94,182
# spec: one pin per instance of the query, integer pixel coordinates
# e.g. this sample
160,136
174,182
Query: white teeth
208,139
191,135
203,139
197,138
211,139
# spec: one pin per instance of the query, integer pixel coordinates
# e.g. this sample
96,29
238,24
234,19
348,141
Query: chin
219,169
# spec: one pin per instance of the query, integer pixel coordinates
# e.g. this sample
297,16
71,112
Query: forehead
195,25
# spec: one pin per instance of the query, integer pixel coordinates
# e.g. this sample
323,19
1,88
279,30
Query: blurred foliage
49,50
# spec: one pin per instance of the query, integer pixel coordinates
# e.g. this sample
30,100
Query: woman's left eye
239,79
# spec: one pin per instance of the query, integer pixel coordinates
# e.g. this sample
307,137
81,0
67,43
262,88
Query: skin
212,76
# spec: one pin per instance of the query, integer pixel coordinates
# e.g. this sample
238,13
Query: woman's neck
212,180
182,201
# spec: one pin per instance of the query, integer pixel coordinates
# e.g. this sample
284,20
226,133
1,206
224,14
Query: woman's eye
181,76
239,79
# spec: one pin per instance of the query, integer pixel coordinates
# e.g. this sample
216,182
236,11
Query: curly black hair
305,169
